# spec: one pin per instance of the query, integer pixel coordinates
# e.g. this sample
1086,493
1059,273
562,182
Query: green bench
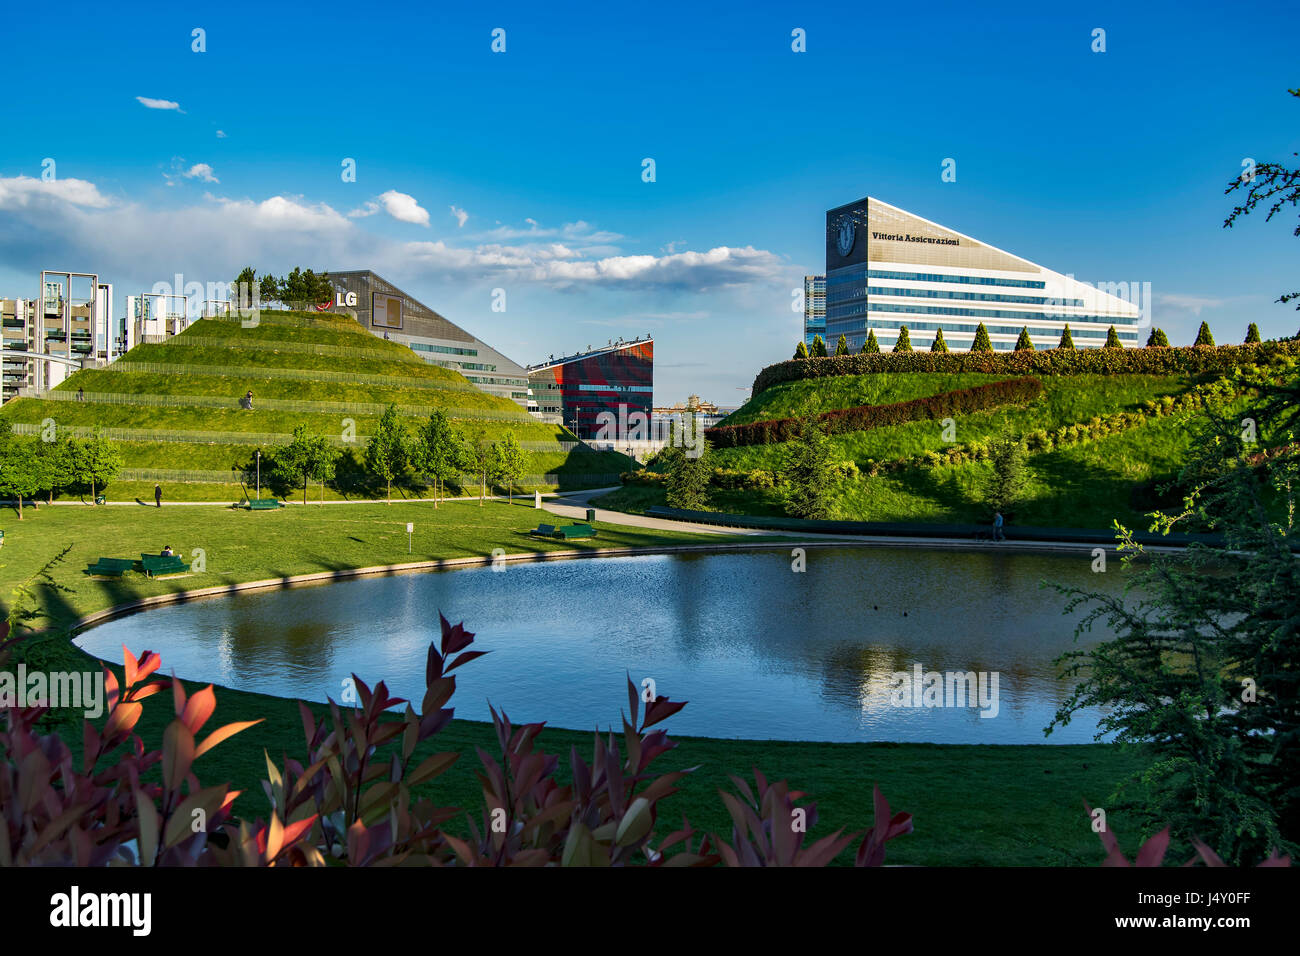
575,531
263,504
111,567
543,531
154,564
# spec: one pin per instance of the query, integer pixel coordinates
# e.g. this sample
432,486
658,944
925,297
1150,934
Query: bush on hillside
864,417
1127,361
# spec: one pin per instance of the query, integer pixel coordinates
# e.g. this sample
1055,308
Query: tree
478,457
806,471
1203,335
1269,183
1252,334
870,346
268,288
60,464
904,343
246,280
938,345
97,462
1067,341
1023,343
687,476
386,454
322,462
801,350
1112,339
818,347
981,343
292,463
1157,339
511,462
1204,668
435,453
1006,483
842,346
23,472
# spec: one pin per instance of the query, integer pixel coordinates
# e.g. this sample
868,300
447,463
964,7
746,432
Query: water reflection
759,650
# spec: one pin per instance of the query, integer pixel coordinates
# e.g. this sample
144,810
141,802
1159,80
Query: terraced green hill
174,407
1100,445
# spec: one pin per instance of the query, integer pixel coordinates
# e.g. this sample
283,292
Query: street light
259,474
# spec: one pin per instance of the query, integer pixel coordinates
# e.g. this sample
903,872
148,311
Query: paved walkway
574,504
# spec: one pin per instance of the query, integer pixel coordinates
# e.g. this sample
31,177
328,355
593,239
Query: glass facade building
618,379
814,308
887,268
390,313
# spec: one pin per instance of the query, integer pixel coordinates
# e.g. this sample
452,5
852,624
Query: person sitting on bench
167,551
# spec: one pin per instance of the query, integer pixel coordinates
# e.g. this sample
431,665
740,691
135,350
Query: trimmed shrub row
1147,361
1044,440
961,401
734,479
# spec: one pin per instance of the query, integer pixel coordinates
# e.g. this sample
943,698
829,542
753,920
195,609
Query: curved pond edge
436,564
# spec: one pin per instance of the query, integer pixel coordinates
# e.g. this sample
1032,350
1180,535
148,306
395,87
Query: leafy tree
687,477
870,346
436,452
1023,343
1157,339
511,462
1067,341
801,350
1270,183
1252,334
1006,483
806,471
292,463
1204,669
818,347
322,462
1203,335
479,457
387,453
939,345
23,471
842,346
1112,339
60,464
904,343
97,462
268,288
981,343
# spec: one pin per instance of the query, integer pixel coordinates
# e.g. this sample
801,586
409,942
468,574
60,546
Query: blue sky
523,170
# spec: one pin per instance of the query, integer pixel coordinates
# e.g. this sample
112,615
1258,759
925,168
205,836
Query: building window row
445,349
888,325
859,273
975,296
850,311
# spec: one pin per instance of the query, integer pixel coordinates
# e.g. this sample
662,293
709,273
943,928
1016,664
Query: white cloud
461,215
153,104
1189,303
201,171
24,191
404,208
214,237
221,134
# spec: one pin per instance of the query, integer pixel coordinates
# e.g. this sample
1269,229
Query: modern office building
814,308
886,268
390,313
17,317
618,378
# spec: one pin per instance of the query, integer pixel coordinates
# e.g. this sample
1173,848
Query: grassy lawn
814,396
1008,805
1085,486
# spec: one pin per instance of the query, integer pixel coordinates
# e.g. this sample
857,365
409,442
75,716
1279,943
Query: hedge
1148,361
863,417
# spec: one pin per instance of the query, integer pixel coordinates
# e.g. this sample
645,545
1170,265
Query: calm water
759,651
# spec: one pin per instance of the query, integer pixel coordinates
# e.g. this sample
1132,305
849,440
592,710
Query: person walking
997,527
81,394
157,496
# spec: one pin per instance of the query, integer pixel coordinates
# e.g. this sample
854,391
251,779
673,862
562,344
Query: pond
758,649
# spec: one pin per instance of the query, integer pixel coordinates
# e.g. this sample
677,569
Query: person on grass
157,496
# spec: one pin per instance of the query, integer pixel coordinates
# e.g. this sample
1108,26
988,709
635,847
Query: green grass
1065,400
973,805
1084,486
814,396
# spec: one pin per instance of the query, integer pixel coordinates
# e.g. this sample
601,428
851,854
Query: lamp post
259,474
